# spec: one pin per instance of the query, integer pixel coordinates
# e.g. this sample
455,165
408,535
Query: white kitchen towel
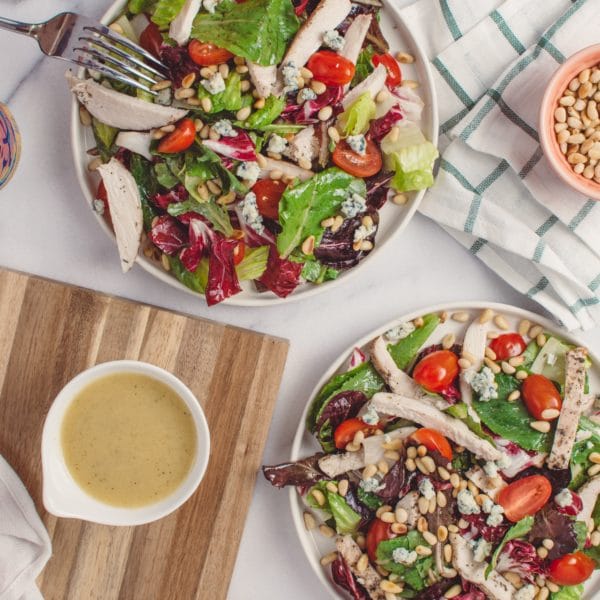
495,192
24,543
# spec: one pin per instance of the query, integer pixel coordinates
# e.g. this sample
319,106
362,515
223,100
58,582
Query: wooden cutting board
49,332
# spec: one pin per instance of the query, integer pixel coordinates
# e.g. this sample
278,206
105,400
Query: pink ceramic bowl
588,57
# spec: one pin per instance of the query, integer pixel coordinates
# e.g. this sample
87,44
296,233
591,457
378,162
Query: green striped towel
495,192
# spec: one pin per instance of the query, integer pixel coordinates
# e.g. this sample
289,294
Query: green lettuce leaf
369,499
405,350
197,280
411,157
569,592
258,30
363,378
364,65
414,575
135,7
254,263
144,176
511,420
105,138
356,118
315,272
346,519
166,10
460,411
518,530
303,207
580,461
210,210
265,116
164,175
230,98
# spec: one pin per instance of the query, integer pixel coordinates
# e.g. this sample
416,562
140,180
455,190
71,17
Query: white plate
315,545
393,218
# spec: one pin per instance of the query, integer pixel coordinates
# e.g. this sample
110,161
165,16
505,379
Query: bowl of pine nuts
570,122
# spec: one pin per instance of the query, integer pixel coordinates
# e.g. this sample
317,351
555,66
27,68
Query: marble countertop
46,228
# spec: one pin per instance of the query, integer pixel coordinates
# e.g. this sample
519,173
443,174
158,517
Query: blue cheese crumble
214,85
277,144
491,469
403,556
527,592
487,505
306,94
210,5
353,206
357,143
496,516
224,128
371,485
98,207
466,503
563,498
370,417
400,331
290,73
363,232
426,489
249,171
481,549
250,213
483,383
332,39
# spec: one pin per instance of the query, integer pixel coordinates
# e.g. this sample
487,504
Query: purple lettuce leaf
343,576
549,523
168,235
222,278
307,113
302,473
281,276
177,194
382,126
378,187
520,557
342,406
178,63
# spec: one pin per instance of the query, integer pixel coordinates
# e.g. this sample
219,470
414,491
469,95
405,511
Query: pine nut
453,528
542,552
319,497
422,450
535,331
260,103
460,317
243,113
448,341
443,473
309,521
392,455
334,134
464,363
206,104
430,538
543,594
382,509
466,354
405,58
441,499
560,114
432,505
423,550
442,533
524,326
516,361
486,316
331,487
453,591
390,587
548,543
326,531
369,471
423,505
276,174
224,70
411,452
318,87
383,467
455,480
382,96
593,470
541,426
401,515
514,395
494,367
540,340
501,322
343,487
388,517
521,375
410,464
422,525
490,353
329,558
429,464
214,135
550,413
325,113
594,457
164,259
448,553
400,528
363,563
595,538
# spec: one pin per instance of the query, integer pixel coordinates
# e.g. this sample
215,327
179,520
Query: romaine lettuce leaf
303,207
164,175
364,66
265,116
166,10
144,176
105,137
197,280
569,592
411,157
405,350
230,98
346,519
356,118
258,30
210,210
253,264
580,461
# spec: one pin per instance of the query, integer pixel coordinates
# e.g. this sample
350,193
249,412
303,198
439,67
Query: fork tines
118,58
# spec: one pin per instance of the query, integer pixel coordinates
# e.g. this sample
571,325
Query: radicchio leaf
302,473
281,276
366,514
342,406
378,187
520,459
222,278
335,249
520,557
307,113
168,235
241,147
200,237
549,523
470,592
178,63
394,481
574,507
177,194
479,526
435,591
343,576
382,126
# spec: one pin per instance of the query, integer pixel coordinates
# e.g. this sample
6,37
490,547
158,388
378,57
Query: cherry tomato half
433,440
102,195
524,497
151,39
180,139
346,430
394,76
378,532
437,370
239,252
571,569
331,68
268,194
356,164
540,394
206,55
508,345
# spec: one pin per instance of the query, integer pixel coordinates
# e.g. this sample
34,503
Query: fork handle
24,28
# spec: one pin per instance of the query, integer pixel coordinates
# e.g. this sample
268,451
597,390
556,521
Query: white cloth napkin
24,543
495,192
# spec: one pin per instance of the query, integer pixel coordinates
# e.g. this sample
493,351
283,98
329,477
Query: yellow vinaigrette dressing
128,439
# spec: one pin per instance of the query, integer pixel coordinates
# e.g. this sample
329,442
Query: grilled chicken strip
369,578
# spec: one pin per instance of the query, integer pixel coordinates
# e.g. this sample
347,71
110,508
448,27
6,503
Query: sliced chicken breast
496,587
589,495
304,145
287,168
125,210
573,404
396,379
136,141
373,84
429,416
355,37
327,15
410,503
490,485
369,578
181,26
120,110
474,343
264,79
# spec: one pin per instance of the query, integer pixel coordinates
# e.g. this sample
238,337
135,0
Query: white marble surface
46,229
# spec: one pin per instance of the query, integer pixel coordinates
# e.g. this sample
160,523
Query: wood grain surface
49,332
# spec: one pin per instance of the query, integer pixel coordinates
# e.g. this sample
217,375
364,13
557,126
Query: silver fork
90,44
